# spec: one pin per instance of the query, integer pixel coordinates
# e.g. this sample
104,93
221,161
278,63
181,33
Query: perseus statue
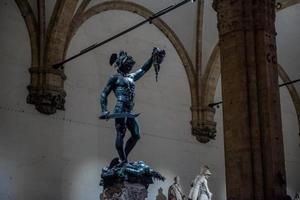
123,86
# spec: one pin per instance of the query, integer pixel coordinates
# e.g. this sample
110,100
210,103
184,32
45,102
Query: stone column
254,154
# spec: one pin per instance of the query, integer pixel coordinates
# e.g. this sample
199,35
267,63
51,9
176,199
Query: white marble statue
200,190
175,190
161,195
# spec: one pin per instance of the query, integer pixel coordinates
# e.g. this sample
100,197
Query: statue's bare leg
133,127
121,130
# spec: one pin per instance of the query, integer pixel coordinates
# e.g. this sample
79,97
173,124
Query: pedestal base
125,191
127,181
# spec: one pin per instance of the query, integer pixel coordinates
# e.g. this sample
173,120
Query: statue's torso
124,89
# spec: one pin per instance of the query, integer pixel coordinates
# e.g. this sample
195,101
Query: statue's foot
103,117
114,162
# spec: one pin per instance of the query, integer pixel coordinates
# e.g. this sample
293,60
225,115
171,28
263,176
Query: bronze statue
123,86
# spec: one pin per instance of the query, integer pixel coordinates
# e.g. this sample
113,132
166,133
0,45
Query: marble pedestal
125,191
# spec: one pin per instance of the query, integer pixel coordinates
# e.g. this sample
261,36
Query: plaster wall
291,140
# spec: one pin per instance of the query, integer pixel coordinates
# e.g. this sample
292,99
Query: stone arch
211,76
292,91
159,23
32,28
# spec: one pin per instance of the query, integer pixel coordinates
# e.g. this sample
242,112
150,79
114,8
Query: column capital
240,15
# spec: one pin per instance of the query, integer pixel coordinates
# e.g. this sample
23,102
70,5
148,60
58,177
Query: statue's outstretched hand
104,115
